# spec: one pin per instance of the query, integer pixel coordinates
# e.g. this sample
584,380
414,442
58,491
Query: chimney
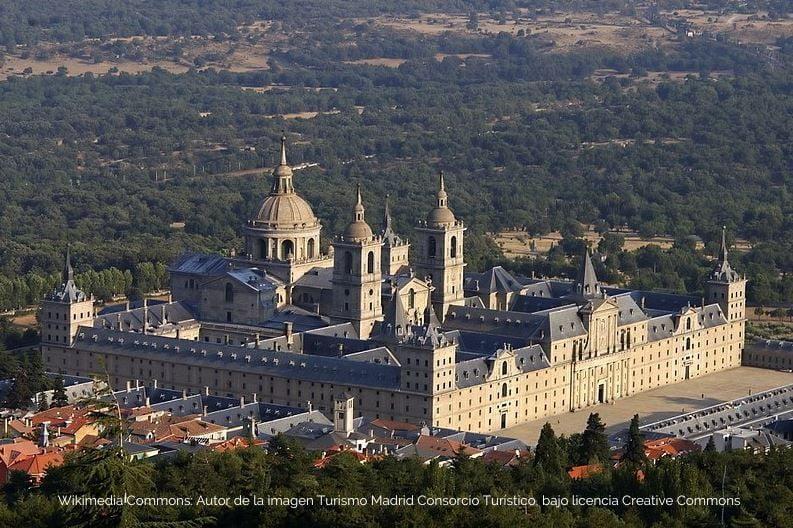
163,317
308,405
148,402
184,394
206,390
45,435
154,383
118,322
255,398
288,331
205,411
129,386
126,306
256,339
145,304
137,384
242,401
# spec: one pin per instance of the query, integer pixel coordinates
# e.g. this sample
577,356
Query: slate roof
531,303
475,371
319,278
250,360
666,302
494,280
132,320
200,264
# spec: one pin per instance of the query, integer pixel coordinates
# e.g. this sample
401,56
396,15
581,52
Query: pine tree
710,447
20,394
547,453
634,454
59,397
594,446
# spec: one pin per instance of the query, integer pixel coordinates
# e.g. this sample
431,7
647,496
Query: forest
134,169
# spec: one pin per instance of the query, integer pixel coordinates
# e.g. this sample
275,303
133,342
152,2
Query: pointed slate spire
390,238
587,284
386,216
724,243
68,271
723,272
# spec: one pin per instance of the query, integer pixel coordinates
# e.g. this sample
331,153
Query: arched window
287,249
411,298
229,292
370,262
310,247
504,390
688,343
263,249
504,369
688,323
454,247
347,262
432,248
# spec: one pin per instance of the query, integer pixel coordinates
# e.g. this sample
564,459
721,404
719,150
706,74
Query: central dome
283,207
285,210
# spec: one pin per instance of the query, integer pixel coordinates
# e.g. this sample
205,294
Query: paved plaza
661,403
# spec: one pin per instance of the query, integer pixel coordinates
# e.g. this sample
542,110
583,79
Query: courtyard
660,403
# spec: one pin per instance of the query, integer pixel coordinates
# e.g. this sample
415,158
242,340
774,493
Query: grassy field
557,32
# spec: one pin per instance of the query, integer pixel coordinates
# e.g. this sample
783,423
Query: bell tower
357,274
440,253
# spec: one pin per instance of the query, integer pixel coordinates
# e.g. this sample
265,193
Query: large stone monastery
399,326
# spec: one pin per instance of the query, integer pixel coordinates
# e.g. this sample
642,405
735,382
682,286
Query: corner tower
725,287
283,235
62,312
440,253
357,274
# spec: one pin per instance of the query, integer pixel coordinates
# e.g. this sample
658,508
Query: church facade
400,326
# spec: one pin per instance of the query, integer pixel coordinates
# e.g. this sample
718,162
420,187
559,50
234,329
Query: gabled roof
494,280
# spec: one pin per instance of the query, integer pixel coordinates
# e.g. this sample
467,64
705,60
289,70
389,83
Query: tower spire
283,148
68,271
358,210
386,216
724,243
282,176
442,196
587,284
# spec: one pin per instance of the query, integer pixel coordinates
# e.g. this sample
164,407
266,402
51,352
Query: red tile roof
582,472
36,465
